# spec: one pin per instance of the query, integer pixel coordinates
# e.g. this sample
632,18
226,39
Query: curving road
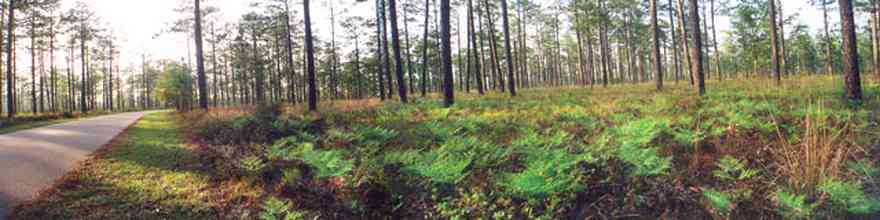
31,160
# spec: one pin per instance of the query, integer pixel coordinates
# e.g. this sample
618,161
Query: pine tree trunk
697,49
200,58
506,26
850,52
398,60
446,55
655,35
310,58
774,43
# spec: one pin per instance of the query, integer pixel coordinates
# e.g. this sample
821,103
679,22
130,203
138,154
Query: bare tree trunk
446,55
685,43
782,54
850,52
675,52
398,60
424,77
829,66
474,50
774,43
310,58
697,50
200,58
655,35
506,26
718,69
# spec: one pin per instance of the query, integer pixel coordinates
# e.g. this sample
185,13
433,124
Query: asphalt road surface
31,160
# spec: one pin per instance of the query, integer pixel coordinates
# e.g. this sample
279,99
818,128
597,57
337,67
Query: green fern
793,206
634,139
720,201
441,168
546,173
732,169
276,209
849,196
252,165
328,163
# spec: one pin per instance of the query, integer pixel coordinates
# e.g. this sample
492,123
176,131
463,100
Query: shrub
547,172
793,206
849,197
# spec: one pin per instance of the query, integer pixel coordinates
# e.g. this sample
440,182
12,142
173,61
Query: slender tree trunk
383,67
83,54
289,44
782,55
33,64
876,36
655,35
697,50
675,52
496,67
446,55
424,78
718,70
774,44
398,60
10,78
475,51
685,43
200,58
829,66
310,58
409,64
385,54
850,52
506,26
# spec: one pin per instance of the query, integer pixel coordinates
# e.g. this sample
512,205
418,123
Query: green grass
28,121
142,176
29,125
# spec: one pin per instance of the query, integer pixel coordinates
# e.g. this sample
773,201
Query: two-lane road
31,160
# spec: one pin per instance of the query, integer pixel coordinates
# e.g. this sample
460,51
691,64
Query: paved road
31,160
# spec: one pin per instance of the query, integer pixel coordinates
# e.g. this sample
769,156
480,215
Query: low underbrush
742,152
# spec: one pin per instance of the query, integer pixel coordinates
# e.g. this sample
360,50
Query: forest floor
746,150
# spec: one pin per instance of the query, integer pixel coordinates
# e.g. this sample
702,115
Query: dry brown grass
820,154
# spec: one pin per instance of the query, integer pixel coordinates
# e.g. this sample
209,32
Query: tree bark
850,52
200,58
446,55
774,44
655,35
697,49
310,58
398,60
506,26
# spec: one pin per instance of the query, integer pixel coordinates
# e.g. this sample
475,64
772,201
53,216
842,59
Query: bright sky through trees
136,22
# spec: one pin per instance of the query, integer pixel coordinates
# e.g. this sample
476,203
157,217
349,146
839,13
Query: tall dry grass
820,154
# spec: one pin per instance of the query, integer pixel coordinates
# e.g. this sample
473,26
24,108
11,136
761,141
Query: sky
136,22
